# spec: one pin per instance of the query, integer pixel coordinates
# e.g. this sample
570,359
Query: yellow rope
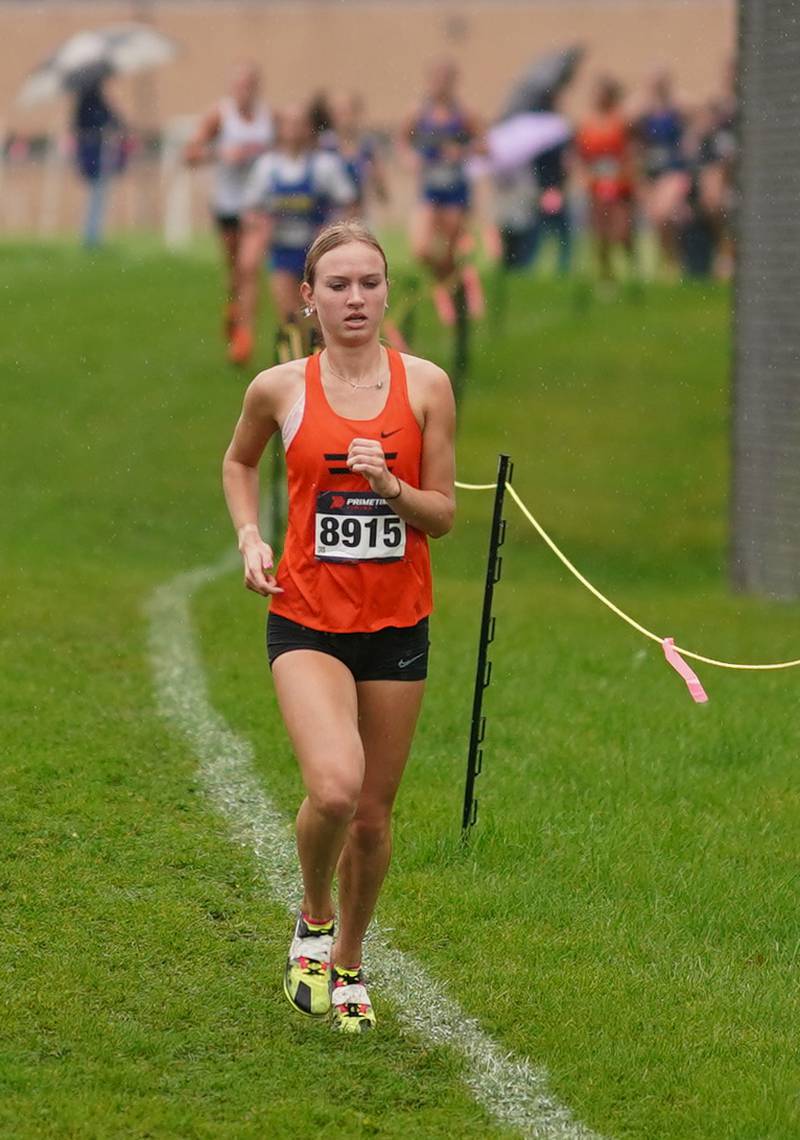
606,601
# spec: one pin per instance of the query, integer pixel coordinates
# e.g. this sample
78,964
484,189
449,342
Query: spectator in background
660,130
515,214
233,134
100,152
551,171
604,145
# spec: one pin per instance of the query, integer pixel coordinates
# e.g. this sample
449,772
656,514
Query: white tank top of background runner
235,130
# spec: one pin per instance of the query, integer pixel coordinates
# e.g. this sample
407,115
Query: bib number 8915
347,537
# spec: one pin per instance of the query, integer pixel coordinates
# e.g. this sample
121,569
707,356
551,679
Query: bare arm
431,506
479,144
200,147
256,425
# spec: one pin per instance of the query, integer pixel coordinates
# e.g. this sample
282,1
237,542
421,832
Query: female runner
604,145
233,134
357,150
667,181
291,193
368,435
437,139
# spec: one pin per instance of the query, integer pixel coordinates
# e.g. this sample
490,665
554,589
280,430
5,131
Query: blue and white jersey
442,174
661,134
299,192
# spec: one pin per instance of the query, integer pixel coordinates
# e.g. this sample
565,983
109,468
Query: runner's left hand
366,457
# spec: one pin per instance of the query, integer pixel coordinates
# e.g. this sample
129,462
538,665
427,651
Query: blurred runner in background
716,178
660,132
357,150
233,134
291,193
604,144
436,139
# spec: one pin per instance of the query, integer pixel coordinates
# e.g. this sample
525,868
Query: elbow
443,523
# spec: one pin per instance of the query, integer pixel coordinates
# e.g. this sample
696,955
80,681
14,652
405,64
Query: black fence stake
483,673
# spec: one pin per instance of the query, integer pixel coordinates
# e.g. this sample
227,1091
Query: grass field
626,911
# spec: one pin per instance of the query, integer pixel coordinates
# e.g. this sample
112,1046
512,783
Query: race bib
442,175
292,233
606,167
357,526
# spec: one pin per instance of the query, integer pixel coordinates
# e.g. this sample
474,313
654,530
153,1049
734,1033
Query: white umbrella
89,56
518,140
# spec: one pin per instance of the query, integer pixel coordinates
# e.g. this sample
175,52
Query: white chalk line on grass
512,1089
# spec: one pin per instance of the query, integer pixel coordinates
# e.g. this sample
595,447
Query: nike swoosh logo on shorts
402,664
386,434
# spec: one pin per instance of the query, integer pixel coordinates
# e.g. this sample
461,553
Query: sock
315,924
351,971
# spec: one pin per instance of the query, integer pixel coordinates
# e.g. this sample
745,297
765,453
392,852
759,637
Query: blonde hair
334,235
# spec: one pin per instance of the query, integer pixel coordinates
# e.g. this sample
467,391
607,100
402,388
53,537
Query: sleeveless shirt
349,564
235,130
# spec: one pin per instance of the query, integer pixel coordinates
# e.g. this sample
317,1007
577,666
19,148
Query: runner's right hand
258,560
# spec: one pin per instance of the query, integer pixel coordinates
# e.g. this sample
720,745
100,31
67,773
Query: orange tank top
604,145
349,564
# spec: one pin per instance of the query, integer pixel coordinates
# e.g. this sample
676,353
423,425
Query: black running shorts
228,223
397,653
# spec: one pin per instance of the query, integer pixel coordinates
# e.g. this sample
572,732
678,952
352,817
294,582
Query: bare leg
285,289
331,758
423,235
387,717
230,249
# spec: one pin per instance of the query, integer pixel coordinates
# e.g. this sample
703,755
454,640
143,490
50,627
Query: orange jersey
604,145
349,564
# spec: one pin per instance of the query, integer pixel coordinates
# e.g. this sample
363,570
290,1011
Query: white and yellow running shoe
306,980
351,1008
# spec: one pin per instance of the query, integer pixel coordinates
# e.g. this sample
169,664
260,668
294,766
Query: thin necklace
352,383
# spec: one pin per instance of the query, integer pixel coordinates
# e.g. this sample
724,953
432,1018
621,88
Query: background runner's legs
229,238
285,289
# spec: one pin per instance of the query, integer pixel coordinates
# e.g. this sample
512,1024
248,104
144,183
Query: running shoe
306,980
240,348
350,1005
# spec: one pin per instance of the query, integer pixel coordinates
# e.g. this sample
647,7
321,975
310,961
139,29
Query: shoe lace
316,947
354,996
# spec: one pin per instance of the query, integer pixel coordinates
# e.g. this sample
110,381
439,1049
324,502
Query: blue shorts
454,196
288,260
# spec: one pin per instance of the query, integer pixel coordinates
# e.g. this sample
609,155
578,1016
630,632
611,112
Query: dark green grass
626,910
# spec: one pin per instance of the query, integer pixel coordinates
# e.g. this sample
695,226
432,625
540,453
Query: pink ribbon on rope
674,658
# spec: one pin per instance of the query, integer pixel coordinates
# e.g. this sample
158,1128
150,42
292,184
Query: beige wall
379,48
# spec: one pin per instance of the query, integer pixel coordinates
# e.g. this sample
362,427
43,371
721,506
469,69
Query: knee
372,830
336,802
